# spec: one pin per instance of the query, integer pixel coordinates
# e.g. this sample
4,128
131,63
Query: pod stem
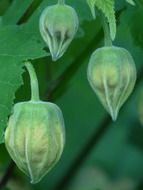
33,81
107,37
61,2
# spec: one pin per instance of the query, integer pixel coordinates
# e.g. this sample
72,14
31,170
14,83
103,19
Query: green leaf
15,12
91,4
107,8
17,44
131,2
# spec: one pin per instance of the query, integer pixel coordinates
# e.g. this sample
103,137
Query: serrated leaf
107,8
18,43
92,7
131,2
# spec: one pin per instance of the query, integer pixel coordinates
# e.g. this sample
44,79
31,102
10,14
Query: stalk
33,82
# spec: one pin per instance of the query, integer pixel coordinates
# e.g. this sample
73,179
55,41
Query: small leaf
131,2
92,7
107,8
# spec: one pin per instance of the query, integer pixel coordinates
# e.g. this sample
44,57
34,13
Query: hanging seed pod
35,135
112,75
58,26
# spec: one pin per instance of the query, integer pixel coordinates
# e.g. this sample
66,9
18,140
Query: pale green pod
112,75
35,137
58,26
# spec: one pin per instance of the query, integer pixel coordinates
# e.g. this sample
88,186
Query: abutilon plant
34,131
58,26
35,135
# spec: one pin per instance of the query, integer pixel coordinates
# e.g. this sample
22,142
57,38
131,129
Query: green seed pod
112,75
35,136
58,26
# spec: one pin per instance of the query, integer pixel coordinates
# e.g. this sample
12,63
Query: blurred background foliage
99,154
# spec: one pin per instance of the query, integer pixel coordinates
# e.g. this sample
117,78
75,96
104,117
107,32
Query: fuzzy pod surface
35,137
112,75
58,26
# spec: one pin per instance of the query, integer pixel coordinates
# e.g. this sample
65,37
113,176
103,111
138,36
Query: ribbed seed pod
58,26
35,135
112,75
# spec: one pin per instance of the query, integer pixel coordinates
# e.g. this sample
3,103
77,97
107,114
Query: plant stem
61,2
33,81
107,37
